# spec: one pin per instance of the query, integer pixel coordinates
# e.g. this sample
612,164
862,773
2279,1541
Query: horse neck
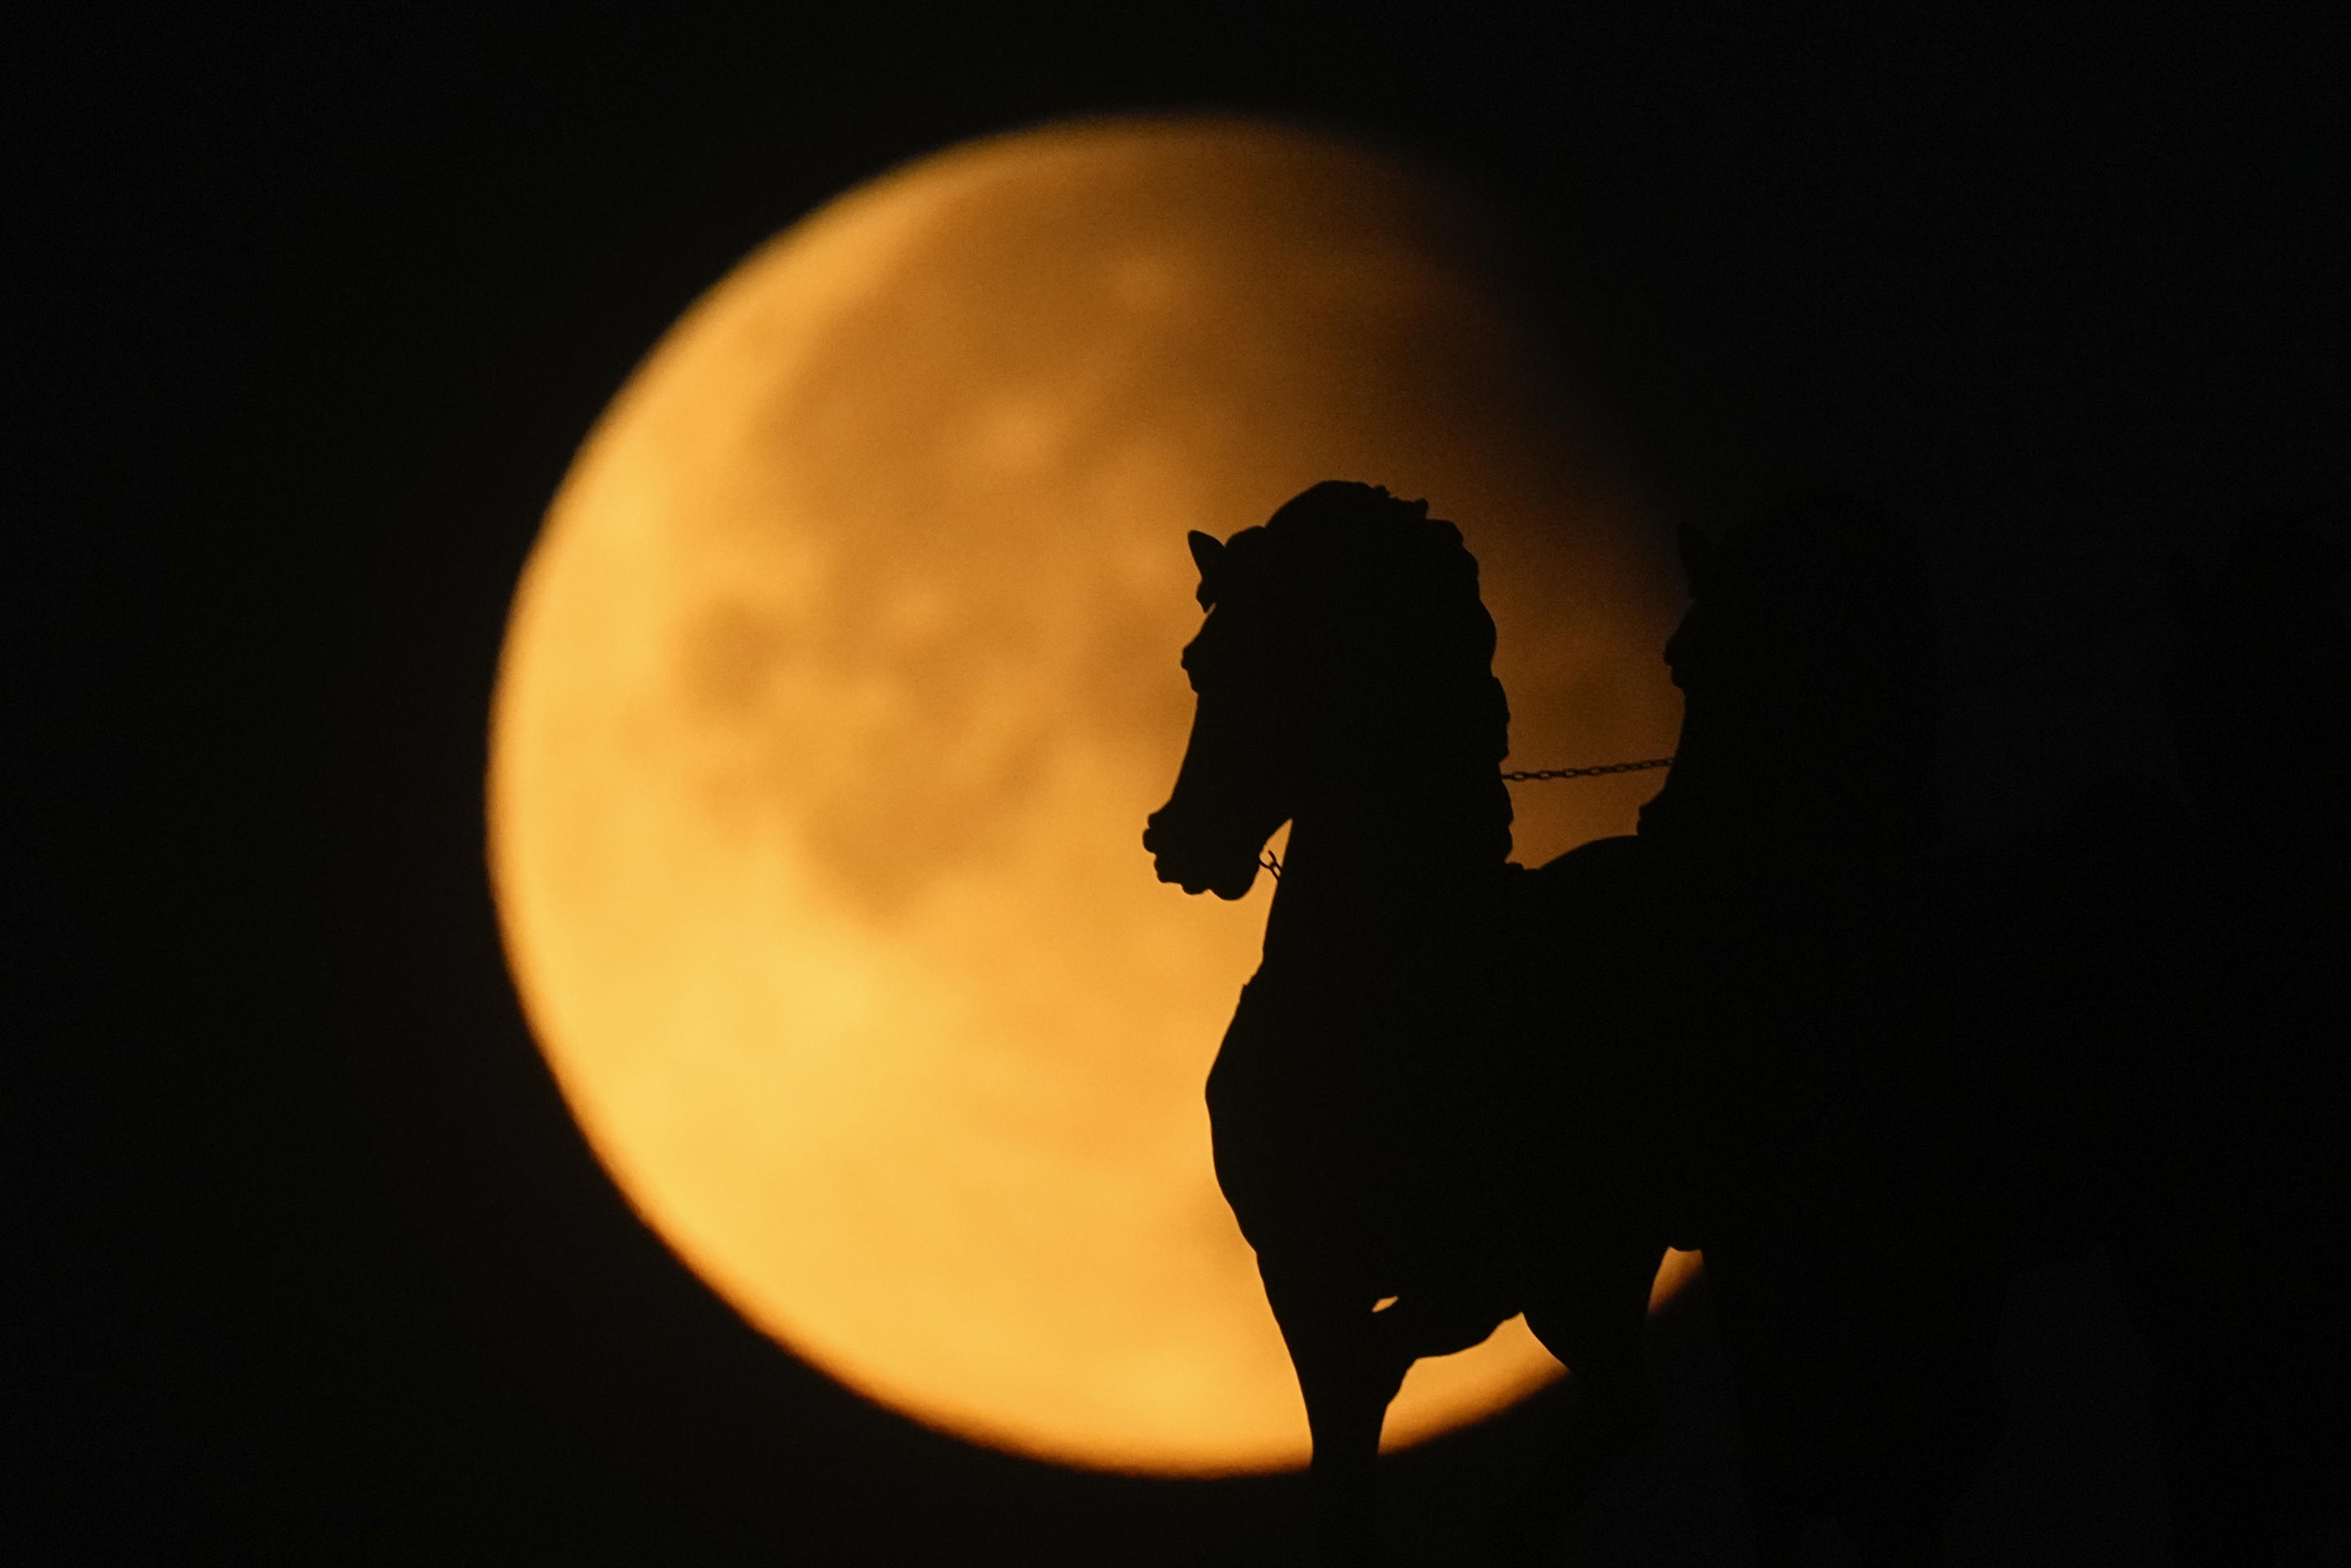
1414,821
1387,850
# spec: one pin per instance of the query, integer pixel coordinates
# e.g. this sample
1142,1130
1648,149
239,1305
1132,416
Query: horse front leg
1348,1371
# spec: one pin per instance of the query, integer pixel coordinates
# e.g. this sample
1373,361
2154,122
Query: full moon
842,679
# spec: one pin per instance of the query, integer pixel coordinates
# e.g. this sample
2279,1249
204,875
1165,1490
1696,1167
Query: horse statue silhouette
1457,1089
1392,1088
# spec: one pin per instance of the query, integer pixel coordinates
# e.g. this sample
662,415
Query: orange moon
843,674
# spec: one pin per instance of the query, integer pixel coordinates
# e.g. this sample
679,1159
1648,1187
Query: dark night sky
313,307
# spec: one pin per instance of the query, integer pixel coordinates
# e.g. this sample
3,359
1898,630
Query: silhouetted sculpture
1864,1078
1412,1099
2211,969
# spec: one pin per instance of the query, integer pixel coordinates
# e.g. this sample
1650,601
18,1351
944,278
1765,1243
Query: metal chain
1532,775
1266,857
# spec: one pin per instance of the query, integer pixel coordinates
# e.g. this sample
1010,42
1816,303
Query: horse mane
1381,619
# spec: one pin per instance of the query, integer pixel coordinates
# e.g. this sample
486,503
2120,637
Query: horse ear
1208,555
1697,556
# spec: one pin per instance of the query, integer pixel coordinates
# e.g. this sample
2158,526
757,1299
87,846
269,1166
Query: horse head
1807,665
1345,655
1237,780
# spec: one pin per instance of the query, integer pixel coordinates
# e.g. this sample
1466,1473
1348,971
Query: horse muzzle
1228,876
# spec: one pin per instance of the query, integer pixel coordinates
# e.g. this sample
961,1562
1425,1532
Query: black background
312,308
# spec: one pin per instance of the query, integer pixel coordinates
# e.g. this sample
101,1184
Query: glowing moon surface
844,674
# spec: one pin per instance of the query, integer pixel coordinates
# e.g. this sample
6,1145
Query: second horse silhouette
1475,1089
